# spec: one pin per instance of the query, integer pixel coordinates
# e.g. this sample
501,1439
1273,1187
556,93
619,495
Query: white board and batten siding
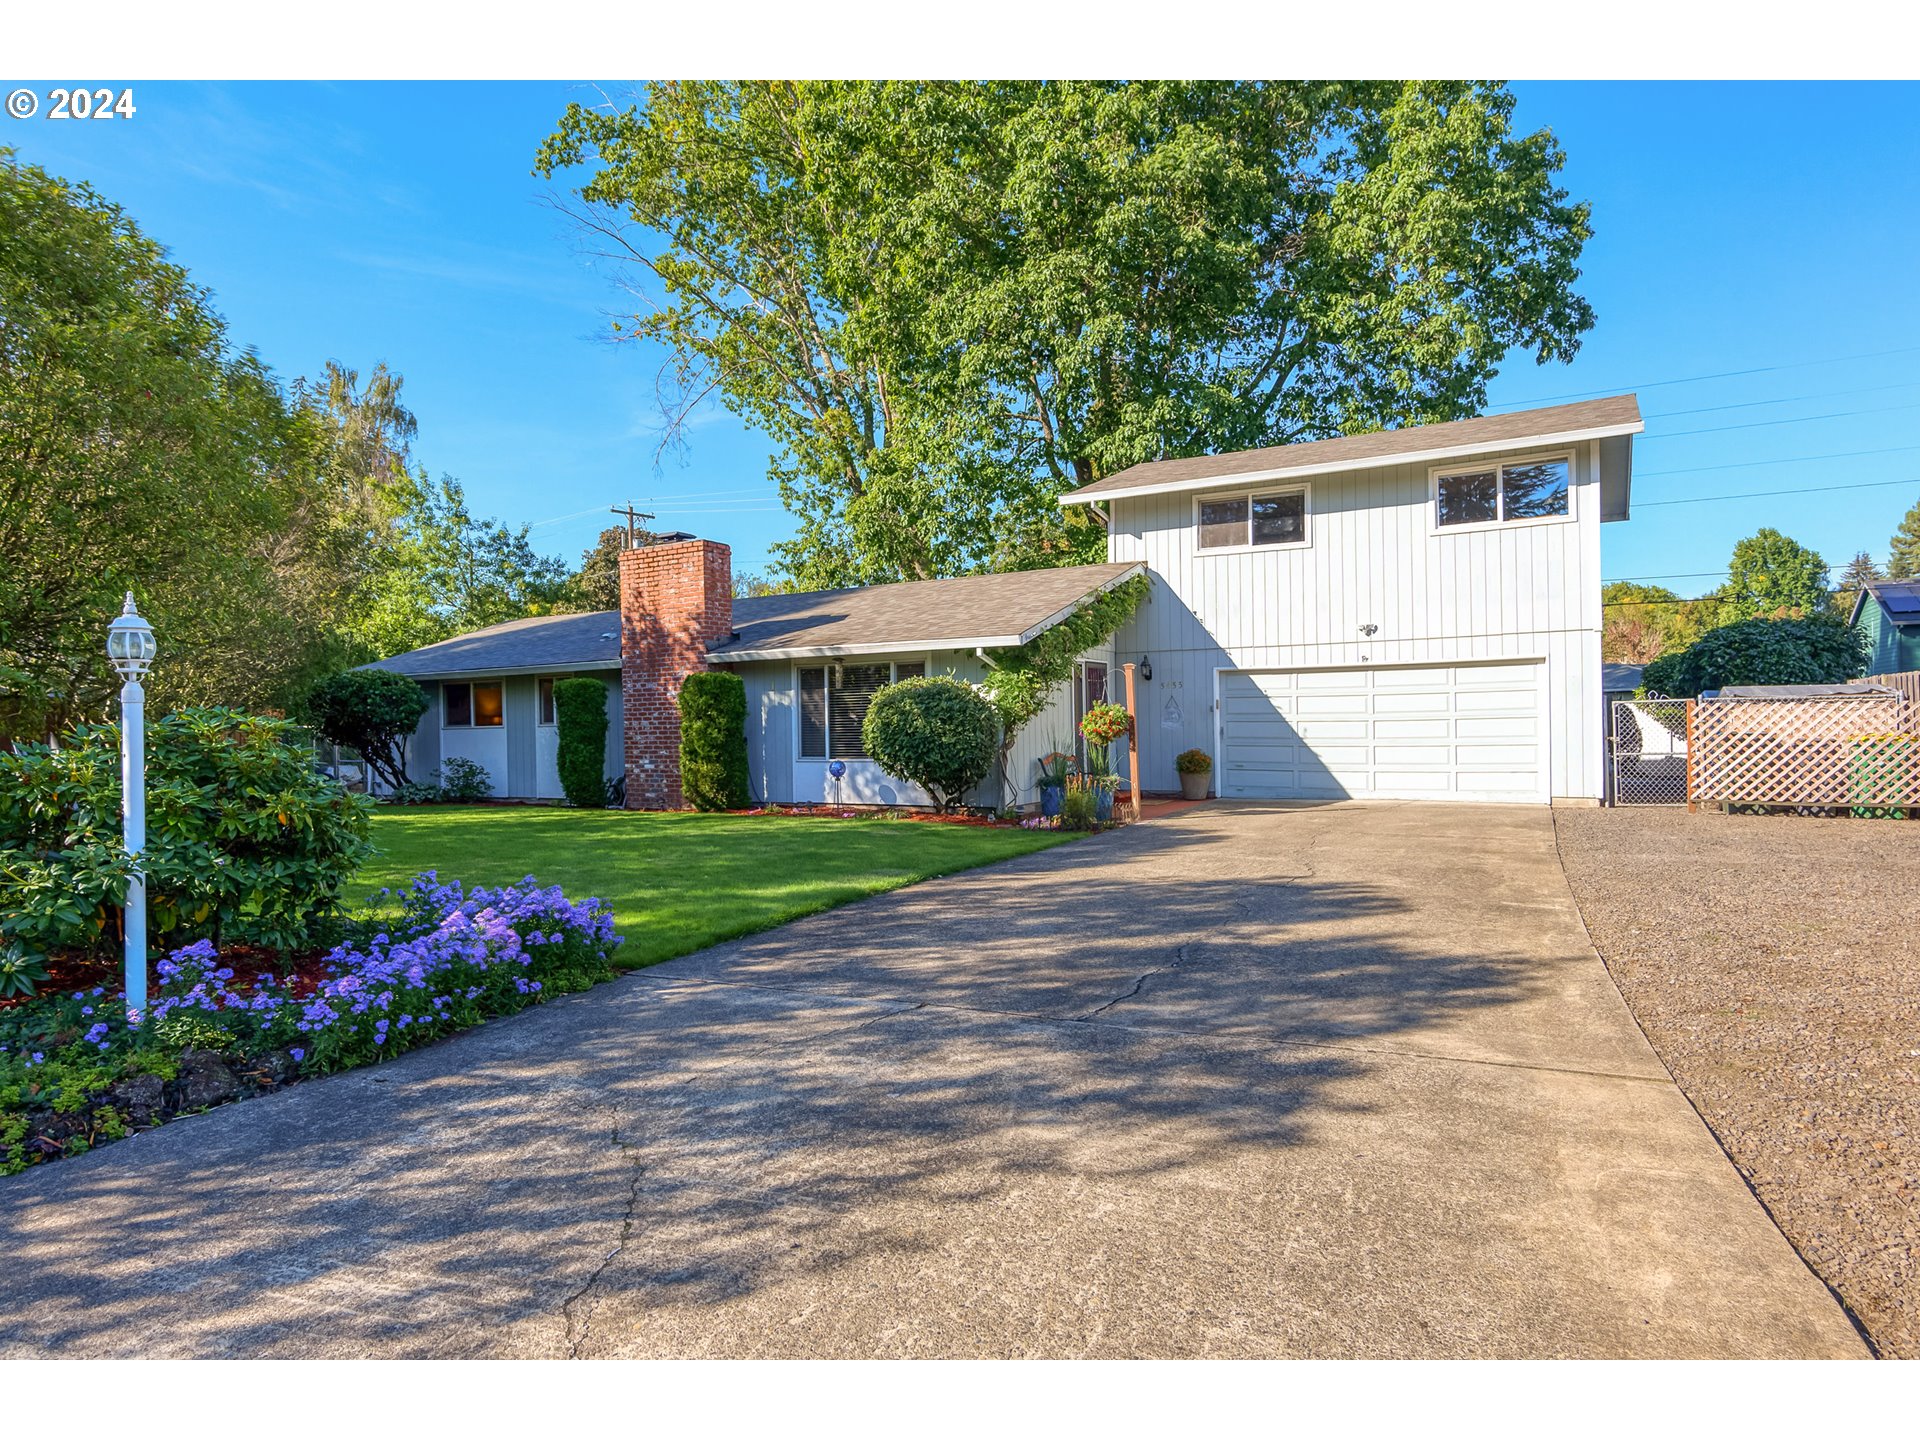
1501,609
778,775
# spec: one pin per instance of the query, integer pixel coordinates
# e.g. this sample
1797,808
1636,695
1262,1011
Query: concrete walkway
1246,1081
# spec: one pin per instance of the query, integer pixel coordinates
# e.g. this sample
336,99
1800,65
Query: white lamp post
130,647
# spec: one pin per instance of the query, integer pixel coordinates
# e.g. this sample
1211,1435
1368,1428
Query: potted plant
1102,725
1195,767
1052,783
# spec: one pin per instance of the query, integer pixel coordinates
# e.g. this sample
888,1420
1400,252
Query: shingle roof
1617,676
962,613
545,642
1615,415
915,615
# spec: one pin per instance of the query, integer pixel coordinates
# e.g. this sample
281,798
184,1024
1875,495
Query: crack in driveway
1179,959
576,1341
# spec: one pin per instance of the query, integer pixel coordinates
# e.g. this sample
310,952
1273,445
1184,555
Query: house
1887,613
1619,680
1410,614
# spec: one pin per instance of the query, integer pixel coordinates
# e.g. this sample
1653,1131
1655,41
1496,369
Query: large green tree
947,303
1773,575
1903,551
447,571
137,452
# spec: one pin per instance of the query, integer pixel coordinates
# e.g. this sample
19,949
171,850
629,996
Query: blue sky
1739,228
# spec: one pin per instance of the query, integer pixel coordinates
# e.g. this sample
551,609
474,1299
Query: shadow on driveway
1247,1081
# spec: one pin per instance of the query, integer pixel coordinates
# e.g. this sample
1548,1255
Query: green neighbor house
1887,612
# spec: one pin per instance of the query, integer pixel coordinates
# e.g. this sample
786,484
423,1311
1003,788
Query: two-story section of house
1410,614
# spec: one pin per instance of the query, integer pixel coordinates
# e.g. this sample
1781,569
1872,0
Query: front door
1089,690
546,742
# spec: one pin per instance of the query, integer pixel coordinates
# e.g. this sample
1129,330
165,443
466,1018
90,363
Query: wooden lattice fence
1846,754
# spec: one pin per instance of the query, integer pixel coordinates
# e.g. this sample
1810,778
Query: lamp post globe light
131,649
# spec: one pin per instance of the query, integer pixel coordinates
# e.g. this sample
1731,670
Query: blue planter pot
1102,803
1050,798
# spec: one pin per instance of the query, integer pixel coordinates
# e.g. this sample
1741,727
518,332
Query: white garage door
1409,732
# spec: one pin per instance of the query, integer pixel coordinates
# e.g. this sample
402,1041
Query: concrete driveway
1248,1081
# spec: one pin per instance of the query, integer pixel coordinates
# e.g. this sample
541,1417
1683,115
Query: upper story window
1492,494
833,705
477,704
1241,522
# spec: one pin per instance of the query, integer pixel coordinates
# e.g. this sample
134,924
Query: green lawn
679,882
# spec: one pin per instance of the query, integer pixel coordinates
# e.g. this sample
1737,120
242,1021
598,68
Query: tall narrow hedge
580,712
713,741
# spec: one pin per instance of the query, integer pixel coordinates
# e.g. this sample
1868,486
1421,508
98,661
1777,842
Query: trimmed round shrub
580,717
713,741
935,732
246,840
1817,650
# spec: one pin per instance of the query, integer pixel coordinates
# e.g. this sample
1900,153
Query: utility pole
633,516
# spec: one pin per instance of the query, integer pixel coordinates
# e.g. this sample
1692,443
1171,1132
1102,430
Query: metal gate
1647,748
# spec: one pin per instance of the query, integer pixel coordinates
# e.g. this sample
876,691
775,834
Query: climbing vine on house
1024,678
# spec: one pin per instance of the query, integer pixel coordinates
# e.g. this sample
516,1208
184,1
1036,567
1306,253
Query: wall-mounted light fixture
1146,668
1369,630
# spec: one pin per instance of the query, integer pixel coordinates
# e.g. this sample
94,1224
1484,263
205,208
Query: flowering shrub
448,960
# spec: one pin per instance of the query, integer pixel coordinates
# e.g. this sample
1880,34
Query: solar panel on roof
1900,599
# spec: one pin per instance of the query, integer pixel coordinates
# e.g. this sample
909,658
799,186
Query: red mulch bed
68,972
922,817
884,812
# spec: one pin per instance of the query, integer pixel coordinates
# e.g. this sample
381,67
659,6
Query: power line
1761,494
1785,400
1782,460
1695,600
1793,420
1715,375
1673,575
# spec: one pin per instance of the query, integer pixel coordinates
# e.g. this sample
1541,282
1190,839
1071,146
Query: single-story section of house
491,694
1406,614
1887,613
811,664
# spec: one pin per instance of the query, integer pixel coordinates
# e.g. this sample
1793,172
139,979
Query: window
473,704
1536,490
546,700
850,689
1239,521
833,705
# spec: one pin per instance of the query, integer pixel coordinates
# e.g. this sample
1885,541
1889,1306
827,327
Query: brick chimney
675,600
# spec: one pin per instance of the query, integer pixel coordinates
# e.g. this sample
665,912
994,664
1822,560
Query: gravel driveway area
1774,962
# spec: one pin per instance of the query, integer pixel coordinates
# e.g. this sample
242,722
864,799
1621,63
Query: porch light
130,642
1146,668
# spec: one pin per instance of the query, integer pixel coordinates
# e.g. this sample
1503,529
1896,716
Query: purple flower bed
71,1073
